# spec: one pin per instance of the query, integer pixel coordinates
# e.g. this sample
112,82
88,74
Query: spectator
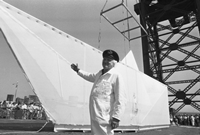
9,110
175,120
185,120
31,111
192,118
24,109
197,120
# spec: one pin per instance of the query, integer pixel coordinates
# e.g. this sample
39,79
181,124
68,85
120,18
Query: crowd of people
13,110
186,120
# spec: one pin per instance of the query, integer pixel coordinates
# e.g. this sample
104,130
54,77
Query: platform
25,125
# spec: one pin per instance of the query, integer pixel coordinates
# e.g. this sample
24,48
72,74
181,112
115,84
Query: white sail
129,60
46,53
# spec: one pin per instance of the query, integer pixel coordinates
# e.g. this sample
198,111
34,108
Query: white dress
107,99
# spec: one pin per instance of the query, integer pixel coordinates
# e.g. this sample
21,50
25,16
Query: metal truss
171,45
128,19
164,45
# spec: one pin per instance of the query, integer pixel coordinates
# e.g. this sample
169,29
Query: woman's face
108,63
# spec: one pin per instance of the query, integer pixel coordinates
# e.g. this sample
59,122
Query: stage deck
42,127
25,125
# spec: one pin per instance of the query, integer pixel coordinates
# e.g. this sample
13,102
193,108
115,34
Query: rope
33,132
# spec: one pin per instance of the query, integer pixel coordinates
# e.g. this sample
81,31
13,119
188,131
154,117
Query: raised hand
75,67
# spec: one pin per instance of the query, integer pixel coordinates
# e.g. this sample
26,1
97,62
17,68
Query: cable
99,37
104,6
124,36
128,25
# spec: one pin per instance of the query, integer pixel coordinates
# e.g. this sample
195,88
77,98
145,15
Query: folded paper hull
45,55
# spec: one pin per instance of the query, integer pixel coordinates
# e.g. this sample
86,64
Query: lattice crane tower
170,45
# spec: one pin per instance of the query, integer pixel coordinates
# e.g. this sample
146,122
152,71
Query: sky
80,19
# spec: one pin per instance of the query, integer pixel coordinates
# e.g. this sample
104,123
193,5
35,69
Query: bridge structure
169,33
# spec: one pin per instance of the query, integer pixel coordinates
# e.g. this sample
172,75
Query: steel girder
170,45
173,47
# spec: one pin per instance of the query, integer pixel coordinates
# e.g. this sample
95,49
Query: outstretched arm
85,75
